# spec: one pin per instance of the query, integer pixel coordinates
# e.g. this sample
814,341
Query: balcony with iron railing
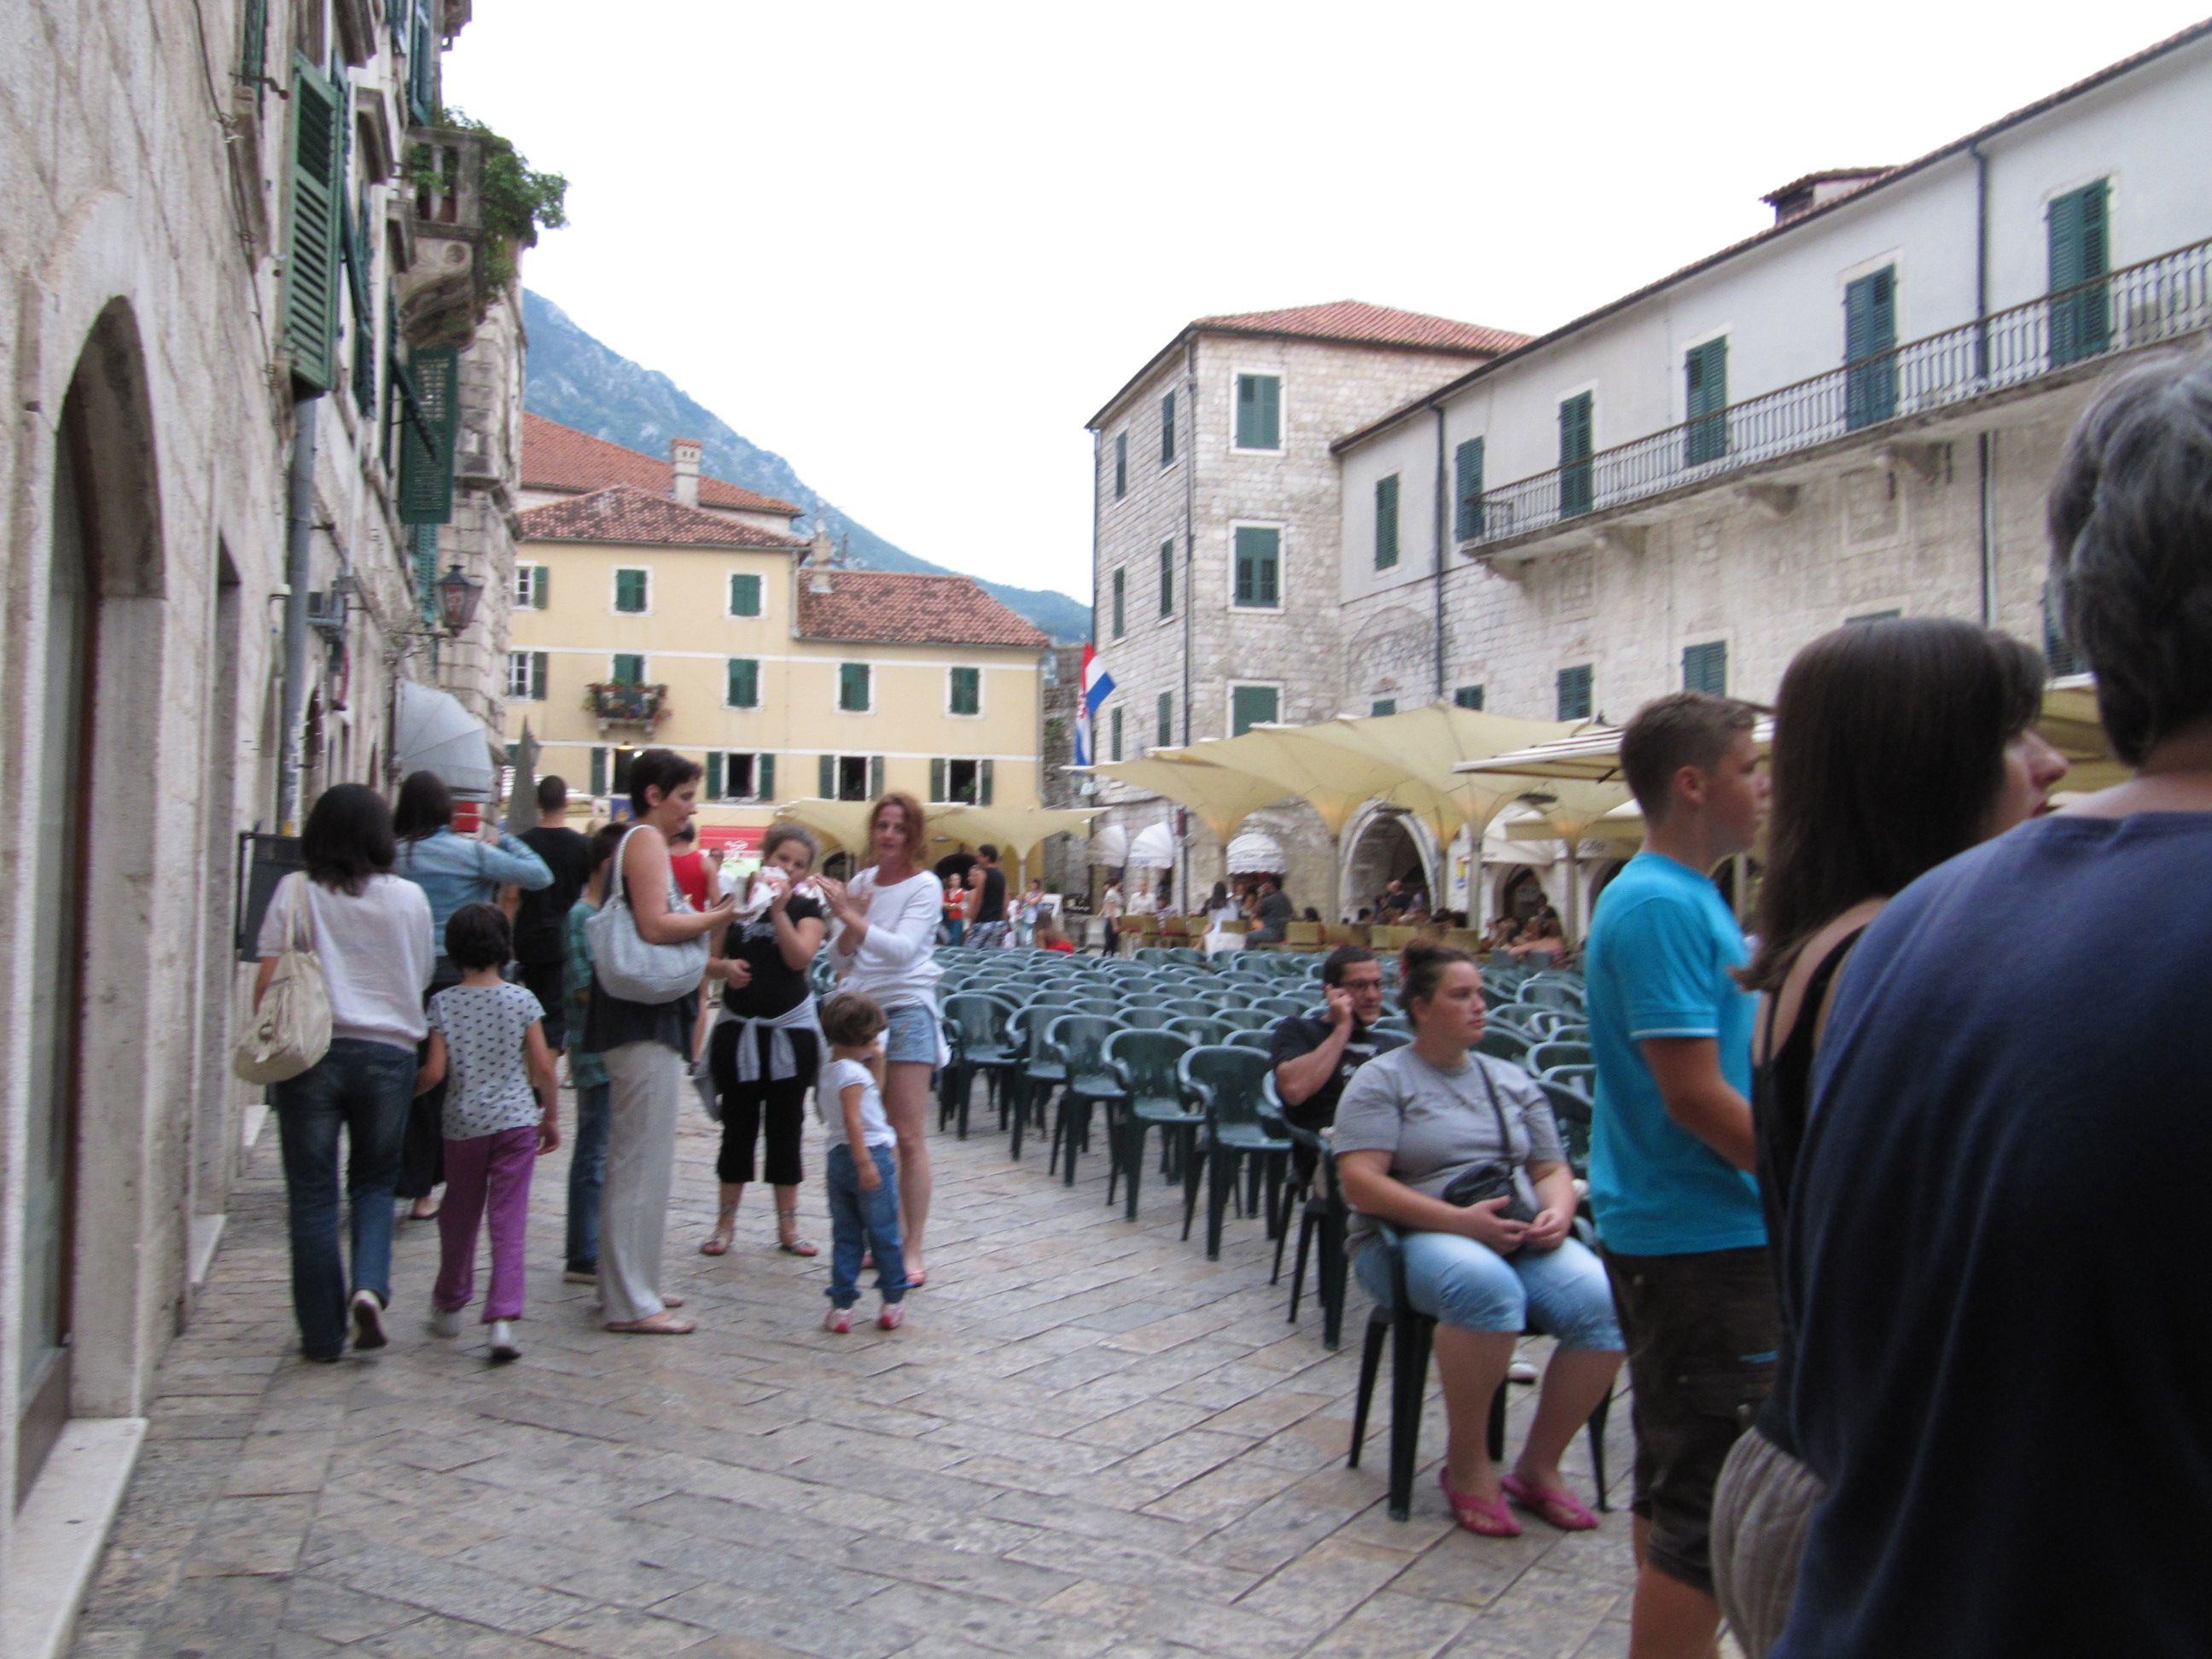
2157,301
626,702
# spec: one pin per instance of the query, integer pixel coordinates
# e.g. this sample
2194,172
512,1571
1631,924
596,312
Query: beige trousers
1761,1512
646,1088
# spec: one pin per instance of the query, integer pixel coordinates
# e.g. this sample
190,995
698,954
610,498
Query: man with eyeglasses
1316,1054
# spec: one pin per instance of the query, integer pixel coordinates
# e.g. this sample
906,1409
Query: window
1120,465
1869,336
1259,411
964,692
1468,696
630,591
1575,496
1120,606
1575,693
1704,668
1705,396
742,689
618,783
850,777
739,777
853,689
629,668
530,587
312,277
966,781
1251,706
744,594
1386,522
1259,566
526,676
1467,489
2080,323
1113,725
1383,706
1167,430
1163,724
1167,579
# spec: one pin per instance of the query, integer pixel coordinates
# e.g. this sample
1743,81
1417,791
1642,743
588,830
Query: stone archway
1382,845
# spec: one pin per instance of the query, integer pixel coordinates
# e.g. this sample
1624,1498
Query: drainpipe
1438,411
299,547
1190,576
1984,440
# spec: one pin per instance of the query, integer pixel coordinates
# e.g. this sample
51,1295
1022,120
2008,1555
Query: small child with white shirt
499,1118
861,1167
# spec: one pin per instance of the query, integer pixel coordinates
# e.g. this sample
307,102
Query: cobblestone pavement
1087,1440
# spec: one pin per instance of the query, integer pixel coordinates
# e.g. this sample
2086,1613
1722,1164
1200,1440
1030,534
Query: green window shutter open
714,774
1251,706
311,254
539,587
983,783
1163,724
853,687
1704,668
764,777
967,691
629,668
1574,693
1167,579
1467,490
1259,566
826,778
1259,411
744,595
598,771
2080,252
937,780
875,776
1120,465
426,439
1167,429
1468,696
630,591
1121,607
1704,376
1575,433
1386,522
1870,335
744,684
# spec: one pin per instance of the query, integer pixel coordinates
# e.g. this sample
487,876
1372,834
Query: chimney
1800,195
818,561
684,456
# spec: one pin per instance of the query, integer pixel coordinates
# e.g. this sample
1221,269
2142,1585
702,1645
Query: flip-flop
1562,1508
652,1326
715,1246
916,1277
799,1247
1486,1517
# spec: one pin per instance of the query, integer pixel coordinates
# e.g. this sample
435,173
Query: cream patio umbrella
1222,798
1016,829
843,824
1566,811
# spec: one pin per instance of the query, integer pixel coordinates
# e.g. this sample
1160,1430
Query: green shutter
1704,397
1163,723
744,595
764,777
426,438
827,778
1383,706
1121,608
1870,335
1576,423
1386,522
1467,489
538,661
1120,465
1167,579
1114,725
423,547
875,776
539,587
714,774
743,689
630,591
1251,706
1259,411
629,668
1574,693
1704,668
1167,429
1468,696
311,267
983,783
1259,560
2081,321
937,780
853,687
967,691
598,771
422,64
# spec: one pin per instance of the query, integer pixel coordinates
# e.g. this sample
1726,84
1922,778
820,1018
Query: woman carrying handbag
648,955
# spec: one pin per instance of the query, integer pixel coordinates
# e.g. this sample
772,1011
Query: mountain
575,380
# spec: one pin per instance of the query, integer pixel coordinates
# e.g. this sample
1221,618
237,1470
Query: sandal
717,1245
657,1324
1562,1508
1486,1517
916,1277
787,1239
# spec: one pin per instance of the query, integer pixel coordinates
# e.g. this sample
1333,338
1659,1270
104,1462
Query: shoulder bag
626,965
1493,1179
291,1031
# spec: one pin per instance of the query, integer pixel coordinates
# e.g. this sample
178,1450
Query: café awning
1254,854
1154,848
1222,797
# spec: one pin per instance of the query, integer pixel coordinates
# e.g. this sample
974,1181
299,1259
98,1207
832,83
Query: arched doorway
1384,849
1522,895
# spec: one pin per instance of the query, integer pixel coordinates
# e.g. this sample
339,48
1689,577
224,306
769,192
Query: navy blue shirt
1998,1256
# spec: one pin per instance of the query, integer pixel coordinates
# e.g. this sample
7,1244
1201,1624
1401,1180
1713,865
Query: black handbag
1487,1181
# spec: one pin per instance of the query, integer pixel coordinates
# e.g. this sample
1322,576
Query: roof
899,607
623,512
1339,322
556,457
1881,181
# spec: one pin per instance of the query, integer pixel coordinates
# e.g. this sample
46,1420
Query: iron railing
2160,299
624,702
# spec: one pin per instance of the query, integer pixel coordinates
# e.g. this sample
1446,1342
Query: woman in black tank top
1898,745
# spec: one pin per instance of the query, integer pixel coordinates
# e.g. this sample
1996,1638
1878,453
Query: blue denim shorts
912,1034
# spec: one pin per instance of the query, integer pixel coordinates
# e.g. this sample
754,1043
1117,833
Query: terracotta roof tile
623,512
556,457
898,607
1355,320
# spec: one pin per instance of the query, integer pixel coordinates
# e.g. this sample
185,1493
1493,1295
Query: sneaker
368,1320
445,1322
839,1322
503,1346
892,1316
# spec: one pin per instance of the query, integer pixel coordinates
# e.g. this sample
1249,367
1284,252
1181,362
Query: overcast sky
913,247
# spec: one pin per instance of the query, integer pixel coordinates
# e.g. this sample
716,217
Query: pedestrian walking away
541,915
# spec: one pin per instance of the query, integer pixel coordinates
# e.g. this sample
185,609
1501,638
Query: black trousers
549,982
422,1152
778,1105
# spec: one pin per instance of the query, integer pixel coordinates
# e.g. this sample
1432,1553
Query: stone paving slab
1087,1441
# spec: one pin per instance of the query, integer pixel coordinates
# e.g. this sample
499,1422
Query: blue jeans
587,1174
1562,1293
862,1220
362,1088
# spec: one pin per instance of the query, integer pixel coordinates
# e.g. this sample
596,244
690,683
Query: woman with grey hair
765,1047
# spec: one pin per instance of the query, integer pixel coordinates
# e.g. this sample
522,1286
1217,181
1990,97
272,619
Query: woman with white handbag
648,954
369,931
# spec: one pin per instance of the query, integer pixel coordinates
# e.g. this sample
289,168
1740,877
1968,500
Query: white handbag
291,1031
626,965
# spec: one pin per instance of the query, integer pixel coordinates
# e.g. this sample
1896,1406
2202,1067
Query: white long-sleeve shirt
897,962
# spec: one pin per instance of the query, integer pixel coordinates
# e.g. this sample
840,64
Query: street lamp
458,595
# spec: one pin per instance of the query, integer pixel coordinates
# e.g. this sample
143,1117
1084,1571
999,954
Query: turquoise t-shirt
1661,946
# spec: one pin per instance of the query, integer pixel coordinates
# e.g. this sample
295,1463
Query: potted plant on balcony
625,702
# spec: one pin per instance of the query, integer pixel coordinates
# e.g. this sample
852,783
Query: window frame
535,671
1273,688
1582,466
1475,696
614,597
1167,579
614,668
868,684
1280,531
729,666
753,758
1122,465
760,595
1282,415
1388,492
1588,671
532,587
1700,651
940,790
1706,436
1164,721
952,709
1467,506
1168,427
1118,605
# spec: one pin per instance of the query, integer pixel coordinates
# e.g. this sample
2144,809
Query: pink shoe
1485,1516
839,1322
1562,1508
892,1316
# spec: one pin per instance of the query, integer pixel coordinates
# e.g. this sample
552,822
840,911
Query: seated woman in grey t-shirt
1411,1122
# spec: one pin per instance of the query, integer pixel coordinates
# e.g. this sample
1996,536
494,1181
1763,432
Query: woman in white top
371,931
884,948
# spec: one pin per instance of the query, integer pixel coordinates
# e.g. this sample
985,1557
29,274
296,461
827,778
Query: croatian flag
1097,686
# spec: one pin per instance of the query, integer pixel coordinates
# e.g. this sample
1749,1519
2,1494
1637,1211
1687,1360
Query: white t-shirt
897,962
829,1100
485,1026
376,947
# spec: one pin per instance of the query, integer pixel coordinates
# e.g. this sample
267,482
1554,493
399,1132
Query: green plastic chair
1246,1019
1230,1084
976,1031
1503,1043
1200,1031
1546,1055
1079,1041
1571,1110
1146,1065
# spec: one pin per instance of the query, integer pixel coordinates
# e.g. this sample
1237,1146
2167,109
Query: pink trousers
487,1179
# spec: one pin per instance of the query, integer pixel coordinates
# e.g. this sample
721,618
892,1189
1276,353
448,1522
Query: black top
541,920
777,986
1995,1256
1391,903
1781,1096
994,905
1300,1034
1274,914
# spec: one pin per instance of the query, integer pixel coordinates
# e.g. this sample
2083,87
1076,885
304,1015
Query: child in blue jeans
862,1170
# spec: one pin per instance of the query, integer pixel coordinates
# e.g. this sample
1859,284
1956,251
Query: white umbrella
433,733
1254,854
1153,849
1109,846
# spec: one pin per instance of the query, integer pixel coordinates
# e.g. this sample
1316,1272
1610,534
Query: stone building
226,421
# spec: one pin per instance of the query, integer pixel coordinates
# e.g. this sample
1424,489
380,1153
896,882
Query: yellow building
644,619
